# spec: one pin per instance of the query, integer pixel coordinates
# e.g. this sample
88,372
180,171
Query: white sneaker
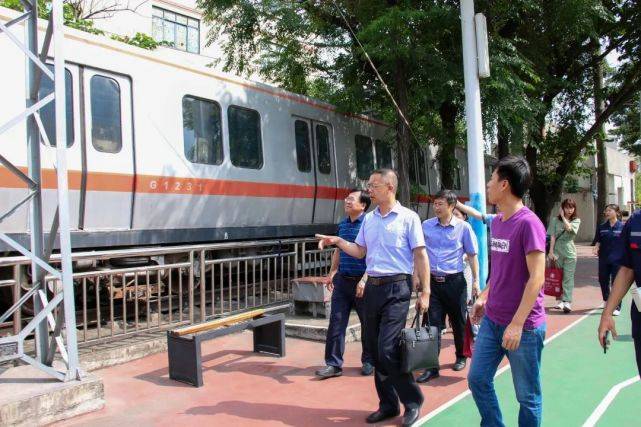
567,307
602,305
616,312
560,305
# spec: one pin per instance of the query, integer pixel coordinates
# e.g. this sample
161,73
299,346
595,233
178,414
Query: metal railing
177,285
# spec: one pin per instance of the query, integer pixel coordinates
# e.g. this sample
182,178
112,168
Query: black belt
445,277
384,280
350,277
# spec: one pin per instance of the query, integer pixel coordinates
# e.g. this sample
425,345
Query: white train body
131,182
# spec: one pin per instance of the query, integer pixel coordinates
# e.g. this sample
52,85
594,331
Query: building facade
620,184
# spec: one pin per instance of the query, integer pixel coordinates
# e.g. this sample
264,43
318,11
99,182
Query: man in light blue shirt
392,241
448,239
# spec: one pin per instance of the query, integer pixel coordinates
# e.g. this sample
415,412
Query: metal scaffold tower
54,323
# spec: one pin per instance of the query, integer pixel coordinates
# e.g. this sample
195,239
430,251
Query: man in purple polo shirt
514,321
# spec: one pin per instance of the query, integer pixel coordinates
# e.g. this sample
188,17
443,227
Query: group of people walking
383,256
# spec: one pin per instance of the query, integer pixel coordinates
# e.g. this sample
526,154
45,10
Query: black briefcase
419,346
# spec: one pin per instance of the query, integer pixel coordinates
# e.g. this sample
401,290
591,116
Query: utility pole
475,146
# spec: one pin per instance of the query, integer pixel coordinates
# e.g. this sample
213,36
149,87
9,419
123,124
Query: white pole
475,151
63,191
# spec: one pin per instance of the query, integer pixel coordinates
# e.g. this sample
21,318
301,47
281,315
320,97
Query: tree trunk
601,154
543,194
503,147
447,153
402,136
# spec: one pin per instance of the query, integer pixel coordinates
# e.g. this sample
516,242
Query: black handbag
419,346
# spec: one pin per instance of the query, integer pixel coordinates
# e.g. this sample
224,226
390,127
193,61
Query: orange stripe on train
150,184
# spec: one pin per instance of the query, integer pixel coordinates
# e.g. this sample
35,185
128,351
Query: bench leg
270,338
185,360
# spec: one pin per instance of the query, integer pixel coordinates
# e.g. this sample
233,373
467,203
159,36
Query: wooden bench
185,360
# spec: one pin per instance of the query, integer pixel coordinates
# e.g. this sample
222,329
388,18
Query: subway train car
164,152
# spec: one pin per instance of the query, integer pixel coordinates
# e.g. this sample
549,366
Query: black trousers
343,300
635,317
386,308
607,272
449,298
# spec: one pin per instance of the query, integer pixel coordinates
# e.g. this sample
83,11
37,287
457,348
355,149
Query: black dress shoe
460,364
380,415
329,372
429,374
410,416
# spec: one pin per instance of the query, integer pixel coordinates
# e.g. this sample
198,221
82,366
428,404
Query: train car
164,152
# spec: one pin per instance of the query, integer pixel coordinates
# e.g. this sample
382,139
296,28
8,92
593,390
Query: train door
74,144
109,150
306,168
325,200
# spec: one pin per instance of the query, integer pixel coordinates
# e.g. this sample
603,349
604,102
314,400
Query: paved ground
244,389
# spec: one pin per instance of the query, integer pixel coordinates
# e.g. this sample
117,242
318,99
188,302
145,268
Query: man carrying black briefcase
392,240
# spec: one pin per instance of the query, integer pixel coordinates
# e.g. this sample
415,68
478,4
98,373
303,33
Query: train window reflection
245,143
303,146
48,112
106,129
202,135
364,156
383,154
324,153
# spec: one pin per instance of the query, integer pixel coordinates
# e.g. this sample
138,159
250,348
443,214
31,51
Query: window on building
324,151
457,180
364,156
383,154
245,142
202,135
106,127
303,146
180,31
48,112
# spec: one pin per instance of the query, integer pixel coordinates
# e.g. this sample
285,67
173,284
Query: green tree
556,39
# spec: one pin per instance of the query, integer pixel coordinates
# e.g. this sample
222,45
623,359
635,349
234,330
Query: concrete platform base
29,397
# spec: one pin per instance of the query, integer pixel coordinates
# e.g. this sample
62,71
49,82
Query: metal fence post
191,286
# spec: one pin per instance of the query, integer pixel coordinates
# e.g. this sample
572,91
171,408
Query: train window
383,154
324,153
106,129
422,176
303,146
202,135
245,143
364,156
48,112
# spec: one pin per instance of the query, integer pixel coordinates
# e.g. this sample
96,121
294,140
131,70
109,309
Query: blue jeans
525,363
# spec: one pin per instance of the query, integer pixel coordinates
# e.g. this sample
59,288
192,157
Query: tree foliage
538,99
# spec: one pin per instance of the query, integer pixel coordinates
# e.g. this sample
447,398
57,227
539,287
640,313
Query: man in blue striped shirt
347,281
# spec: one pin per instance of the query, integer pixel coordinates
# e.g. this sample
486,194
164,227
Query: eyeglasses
371,186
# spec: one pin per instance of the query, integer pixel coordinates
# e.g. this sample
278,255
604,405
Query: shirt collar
396,209
359,219
453,222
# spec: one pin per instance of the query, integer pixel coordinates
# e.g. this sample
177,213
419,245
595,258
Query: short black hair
516,170
364,197
448,195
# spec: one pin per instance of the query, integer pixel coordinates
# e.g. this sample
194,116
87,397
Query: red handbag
553,280
470,333
468,341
